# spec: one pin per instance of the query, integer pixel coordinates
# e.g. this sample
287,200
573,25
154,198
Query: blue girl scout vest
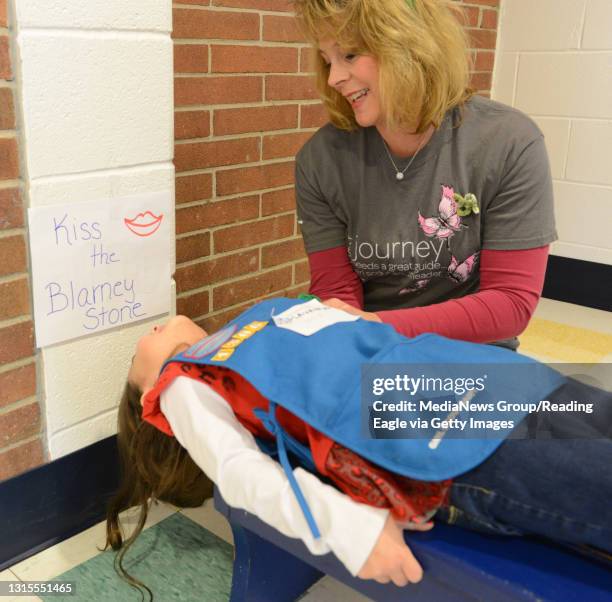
429,408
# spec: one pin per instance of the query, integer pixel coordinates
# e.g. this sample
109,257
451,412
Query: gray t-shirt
405,238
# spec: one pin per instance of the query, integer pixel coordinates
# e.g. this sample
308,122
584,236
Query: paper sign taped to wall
98,265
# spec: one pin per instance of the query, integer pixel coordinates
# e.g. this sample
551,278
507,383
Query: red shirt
511,283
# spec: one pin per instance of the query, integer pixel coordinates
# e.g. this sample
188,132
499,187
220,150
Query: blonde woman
421,205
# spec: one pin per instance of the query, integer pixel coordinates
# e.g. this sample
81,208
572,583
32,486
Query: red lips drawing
144,224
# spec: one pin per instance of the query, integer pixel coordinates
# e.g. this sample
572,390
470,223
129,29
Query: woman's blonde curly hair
421,47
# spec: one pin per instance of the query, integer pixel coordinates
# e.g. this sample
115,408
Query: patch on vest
210,344
229,346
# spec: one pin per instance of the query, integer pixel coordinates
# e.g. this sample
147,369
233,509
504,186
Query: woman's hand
366,315
391,559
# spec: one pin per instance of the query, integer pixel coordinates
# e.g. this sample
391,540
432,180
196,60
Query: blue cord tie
269,420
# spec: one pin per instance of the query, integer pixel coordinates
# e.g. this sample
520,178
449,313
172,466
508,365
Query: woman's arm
206,426
332,276
511,283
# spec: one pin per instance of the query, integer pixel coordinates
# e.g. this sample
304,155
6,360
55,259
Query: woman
421,205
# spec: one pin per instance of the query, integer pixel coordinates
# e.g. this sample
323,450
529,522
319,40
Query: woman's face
351,75
154,348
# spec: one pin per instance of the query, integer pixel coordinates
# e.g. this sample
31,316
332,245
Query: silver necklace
399,175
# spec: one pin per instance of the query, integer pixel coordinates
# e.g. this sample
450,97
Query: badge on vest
227,349
308,318
209,344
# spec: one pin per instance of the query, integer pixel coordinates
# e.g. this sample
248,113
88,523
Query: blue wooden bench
459,565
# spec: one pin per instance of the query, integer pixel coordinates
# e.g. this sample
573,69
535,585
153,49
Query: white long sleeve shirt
205,425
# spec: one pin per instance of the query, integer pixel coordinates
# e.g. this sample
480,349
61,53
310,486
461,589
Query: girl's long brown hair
154,466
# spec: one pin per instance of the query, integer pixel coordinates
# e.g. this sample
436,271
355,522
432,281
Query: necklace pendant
399,175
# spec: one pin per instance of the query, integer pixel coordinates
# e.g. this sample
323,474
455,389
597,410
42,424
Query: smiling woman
421,60
361,74
457,185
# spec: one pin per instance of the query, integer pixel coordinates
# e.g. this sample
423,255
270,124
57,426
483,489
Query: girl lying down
196,422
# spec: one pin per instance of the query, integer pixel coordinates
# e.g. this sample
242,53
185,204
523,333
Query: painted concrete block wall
96,102
554,62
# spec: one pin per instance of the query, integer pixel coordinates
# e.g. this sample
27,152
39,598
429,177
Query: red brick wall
20,439
481,16
244,105
243,108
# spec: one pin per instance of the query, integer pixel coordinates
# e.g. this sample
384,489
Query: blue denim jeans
552,478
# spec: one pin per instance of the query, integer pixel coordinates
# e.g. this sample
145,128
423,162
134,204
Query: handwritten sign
98,265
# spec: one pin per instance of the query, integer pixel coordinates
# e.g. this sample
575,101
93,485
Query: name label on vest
308,318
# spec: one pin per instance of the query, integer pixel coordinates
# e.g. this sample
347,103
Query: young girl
157,466
522,488
421,204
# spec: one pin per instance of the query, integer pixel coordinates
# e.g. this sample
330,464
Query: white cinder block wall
554,62
97,111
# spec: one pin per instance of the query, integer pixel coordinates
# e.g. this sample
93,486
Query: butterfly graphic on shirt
447,222
460,272
414,287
